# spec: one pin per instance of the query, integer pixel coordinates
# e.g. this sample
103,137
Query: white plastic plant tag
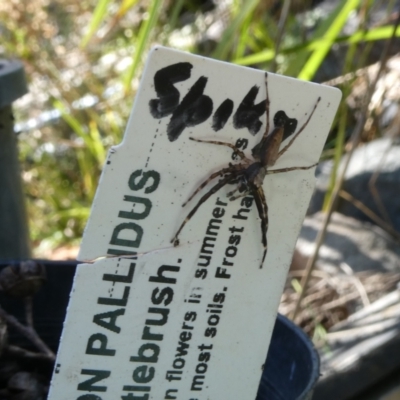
192,321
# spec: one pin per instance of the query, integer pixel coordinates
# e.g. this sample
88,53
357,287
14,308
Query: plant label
156,316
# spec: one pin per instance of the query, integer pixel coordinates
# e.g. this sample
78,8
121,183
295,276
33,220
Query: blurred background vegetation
83,60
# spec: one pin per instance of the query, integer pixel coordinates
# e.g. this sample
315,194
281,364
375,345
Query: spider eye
280,119
289,128
289,125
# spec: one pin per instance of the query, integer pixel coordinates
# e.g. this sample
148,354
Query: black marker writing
194,109
222,114
168,95
248,114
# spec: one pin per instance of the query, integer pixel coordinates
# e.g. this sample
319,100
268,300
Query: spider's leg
232,146
221,172
262,207
242,187
245,193
267,103
204,198
301,128
231,193
278,171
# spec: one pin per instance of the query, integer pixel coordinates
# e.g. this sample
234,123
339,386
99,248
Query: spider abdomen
268,150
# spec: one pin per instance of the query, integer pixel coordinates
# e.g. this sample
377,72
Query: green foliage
73,49
332,29
143,39
240,15
99,14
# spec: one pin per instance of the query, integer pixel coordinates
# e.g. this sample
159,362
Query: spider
249,174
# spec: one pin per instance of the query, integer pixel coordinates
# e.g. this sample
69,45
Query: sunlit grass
95,46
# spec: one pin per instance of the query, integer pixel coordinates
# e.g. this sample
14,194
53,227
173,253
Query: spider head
289,125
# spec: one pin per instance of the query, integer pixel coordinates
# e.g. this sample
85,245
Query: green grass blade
98,149
69,119
258,58
125,7
243,37
91,139
98,16
86,167
300,56
142,39
381,33
225,44
173,19
338,153
319,54
78,211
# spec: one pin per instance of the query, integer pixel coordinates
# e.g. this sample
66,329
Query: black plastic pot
292,366
290,372
14,237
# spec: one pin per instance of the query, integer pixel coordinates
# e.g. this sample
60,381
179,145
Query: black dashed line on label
113,283
151,149
116,272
